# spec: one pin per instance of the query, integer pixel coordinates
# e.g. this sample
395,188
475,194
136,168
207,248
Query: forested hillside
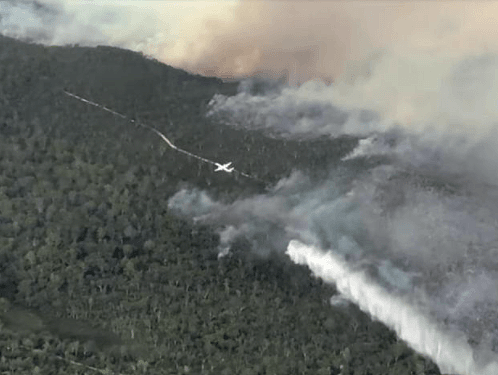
96,275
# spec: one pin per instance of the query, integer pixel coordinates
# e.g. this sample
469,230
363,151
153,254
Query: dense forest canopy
97,275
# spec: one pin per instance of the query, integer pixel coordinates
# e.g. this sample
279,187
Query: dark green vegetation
97,276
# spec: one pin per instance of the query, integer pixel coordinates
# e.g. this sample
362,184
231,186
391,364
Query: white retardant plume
423,244
450,351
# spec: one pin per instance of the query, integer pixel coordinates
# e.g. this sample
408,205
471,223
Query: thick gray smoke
448,125
422,223
291,112
419,89
414,235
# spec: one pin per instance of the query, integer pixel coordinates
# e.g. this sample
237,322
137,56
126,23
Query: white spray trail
449,350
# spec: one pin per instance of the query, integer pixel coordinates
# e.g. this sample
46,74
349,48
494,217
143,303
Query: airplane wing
223,167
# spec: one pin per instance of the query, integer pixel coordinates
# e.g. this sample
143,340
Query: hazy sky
239,37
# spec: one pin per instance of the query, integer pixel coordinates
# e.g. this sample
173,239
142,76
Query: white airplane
223,167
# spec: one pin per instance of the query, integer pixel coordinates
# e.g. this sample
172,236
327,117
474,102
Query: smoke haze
419,224
422,235
239,38
416,82
397,58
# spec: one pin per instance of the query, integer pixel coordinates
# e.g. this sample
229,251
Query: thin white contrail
163,137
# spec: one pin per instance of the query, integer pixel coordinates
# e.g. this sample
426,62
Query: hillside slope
97,275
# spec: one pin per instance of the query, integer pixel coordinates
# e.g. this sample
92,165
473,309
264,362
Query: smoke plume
414,81
240,38
425,243
419,224
408,61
